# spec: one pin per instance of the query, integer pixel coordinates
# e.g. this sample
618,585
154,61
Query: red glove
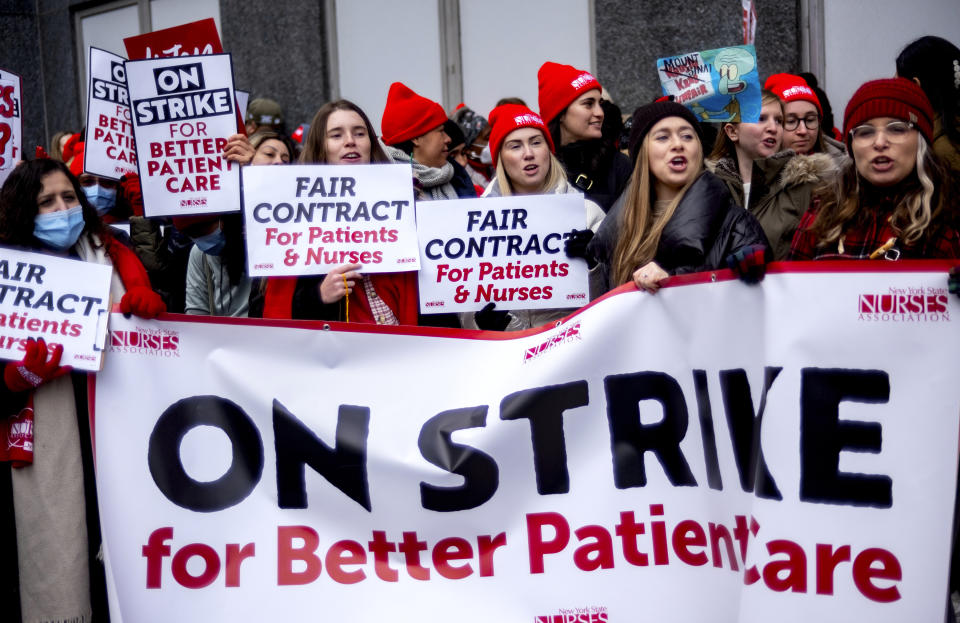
143,302
750,263
131,192
35,370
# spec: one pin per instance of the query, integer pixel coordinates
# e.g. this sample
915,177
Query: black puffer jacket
705,229
597,170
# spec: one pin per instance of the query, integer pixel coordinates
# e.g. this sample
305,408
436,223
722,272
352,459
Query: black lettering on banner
629,439
745,430
118,73
707,433
179,78
110,92
544,408
481,476
163,455
197,105
823,436
344,466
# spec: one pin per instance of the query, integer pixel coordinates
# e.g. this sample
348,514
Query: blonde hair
555,176
640,229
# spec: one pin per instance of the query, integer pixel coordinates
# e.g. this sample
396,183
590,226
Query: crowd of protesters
660,203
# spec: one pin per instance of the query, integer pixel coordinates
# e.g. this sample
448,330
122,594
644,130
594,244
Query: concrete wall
632,34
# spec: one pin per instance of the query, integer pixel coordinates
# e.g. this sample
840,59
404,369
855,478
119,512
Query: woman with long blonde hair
674,217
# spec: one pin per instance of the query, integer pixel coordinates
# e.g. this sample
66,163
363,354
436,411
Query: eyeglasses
811,122
895,131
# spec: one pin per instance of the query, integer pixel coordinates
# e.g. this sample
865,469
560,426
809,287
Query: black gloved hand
953,281
489,319
575,245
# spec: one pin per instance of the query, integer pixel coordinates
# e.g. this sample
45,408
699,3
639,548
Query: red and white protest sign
307,219
183,113
191,39
505,250
11,123
63,301
110,151
706,453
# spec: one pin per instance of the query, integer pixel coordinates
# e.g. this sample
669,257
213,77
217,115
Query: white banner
713,452
11,123
505,250
109,151
183,112
307,219
63,301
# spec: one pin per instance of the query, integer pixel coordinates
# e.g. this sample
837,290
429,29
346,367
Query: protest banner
715,452
63,301
11,123
503,250
721,85
183,112
307,219
110,151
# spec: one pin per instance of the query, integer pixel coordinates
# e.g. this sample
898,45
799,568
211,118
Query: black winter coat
600,172
706,228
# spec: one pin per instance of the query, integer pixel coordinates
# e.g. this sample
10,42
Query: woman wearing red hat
569,101
775,186
802,116
49,496
341,133
525,164
891,201
674,217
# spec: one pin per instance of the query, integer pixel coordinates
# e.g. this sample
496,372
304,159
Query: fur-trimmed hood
782,169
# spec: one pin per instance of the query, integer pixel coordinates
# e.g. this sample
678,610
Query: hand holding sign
35,368
338,283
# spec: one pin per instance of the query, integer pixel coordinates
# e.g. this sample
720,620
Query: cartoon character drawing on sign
731,65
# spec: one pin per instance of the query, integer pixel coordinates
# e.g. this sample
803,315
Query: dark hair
315,144
234,255
827,120
18,202
261,136
931,61
510,100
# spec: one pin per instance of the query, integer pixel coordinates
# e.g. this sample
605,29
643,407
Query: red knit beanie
891,97
559,85
509,117
408,115
791,88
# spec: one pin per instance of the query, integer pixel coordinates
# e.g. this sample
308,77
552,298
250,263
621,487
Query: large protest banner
714,452
503,250
307,219
109,151
64,301
11,122
183,113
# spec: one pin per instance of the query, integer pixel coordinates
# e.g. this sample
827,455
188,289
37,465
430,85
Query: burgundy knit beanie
891,97
408,115
509,117
559,85
647,116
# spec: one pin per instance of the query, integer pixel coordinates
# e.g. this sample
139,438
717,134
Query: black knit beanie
647,116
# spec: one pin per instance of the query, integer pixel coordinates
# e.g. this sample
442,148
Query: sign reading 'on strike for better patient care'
307,219
183,113
110,151
61,300
503,250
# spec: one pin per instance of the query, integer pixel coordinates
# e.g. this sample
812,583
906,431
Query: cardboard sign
183,112
191,39
61,300
110,151
11,123
719,85
505,250
307,219
654,458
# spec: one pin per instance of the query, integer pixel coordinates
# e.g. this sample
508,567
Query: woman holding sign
525,164
341,133
892,200
674,217
49,499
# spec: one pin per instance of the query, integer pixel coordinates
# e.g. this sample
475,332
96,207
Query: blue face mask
59,230
103,199
212,243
